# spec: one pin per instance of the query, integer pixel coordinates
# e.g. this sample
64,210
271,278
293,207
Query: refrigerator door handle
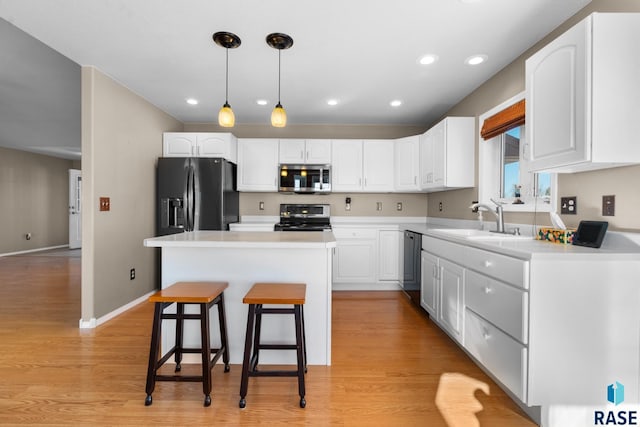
187,199
192,197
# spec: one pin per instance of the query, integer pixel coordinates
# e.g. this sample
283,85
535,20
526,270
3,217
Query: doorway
75,209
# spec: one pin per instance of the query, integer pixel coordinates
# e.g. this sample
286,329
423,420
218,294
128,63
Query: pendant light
279,41
226,118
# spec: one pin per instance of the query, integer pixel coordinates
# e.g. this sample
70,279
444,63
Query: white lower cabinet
480,299
553,327
366,258
389,255
355,255
502,355
451,297
429,283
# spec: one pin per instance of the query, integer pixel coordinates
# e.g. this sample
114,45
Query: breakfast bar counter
243,258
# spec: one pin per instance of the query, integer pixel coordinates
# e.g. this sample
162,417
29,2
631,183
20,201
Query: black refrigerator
195,194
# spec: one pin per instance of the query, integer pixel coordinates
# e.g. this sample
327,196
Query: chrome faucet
498,214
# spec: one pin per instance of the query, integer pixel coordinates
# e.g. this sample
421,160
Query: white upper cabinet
199,144
346,165
310,151
257,164
407,164
362,166
582,93
447,153
378,165
318,151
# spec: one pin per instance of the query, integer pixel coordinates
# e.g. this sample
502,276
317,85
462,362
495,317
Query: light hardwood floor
391,367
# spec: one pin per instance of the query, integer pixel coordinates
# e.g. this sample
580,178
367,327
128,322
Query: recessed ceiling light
192,101
262,102
428,59
475,59
395,103
332,101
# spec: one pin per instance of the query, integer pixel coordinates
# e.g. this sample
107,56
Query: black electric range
304,217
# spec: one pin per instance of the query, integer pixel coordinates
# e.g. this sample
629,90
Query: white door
75,209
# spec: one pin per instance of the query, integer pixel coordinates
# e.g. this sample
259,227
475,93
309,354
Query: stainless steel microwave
305,178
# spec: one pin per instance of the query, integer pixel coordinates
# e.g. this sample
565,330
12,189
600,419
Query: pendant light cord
279,52
226,94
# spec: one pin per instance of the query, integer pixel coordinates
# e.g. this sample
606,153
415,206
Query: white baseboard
93,322
34,250
391,286
87,324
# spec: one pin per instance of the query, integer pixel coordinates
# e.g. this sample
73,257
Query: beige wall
121,140
35,191
589,187
362,204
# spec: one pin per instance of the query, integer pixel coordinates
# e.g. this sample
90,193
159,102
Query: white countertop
246,239
616,246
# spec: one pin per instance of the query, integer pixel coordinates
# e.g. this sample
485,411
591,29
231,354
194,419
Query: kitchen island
243,258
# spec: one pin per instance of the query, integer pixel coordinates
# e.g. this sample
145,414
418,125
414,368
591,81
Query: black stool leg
300,354
255,358
153,352
223,333
179,334
244,383
206,353
304,338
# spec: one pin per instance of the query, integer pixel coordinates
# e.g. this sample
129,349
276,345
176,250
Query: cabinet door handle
488,290
302,154
415,180
485,334
487,264
359,182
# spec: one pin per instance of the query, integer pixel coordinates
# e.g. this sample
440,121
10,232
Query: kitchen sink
474,234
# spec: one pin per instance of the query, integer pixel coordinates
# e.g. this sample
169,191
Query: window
503,173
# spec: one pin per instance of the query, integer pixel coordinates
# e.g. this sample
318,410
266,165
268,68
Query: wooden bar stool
273,293
205,294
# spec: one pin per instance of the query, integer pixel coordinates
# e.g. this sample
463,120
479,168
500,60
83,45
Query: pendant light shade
226,118
279,41
278,116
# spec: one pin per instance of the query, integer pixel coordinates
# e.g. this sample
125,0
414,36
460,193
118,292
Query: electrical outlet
132,274
440,206
378,206
474,210
261,206
399,206
569,205
105,204
609,205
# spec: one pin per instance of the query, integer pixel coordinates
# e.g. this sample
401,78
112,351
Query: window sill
540,206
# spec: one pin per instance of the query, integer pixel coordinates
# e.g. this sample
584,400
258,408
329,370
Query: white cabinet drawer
510,270
355,233
503,305
503,356
444,249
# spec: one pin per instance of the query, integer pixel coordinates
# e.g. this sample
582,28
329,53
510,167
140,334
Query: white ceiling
362,52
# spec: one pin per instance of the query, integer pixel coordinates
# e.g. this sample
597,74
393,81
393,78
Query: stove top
304,217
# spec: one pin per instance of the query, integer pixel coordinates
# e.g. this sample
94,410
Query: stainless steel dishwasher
411,264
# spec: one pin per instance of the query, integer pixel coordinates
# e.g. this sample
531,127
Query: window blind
509,118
